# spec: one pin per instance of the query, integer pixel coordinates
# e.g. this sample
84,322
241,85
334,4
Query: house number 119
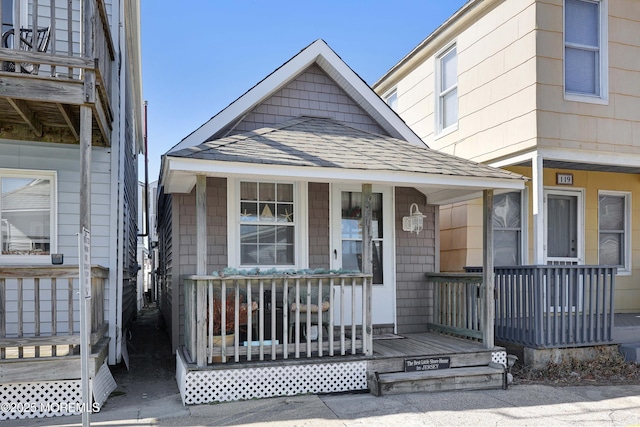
564,179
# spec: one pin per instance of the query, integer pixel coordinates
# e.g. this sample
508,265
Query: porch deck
220,382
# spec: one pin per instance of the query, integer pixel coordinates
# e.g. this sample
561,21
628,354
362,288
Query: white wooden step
471,378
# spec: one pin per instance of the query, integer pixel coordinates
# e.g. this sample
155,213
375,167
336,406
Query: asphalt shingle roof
325,142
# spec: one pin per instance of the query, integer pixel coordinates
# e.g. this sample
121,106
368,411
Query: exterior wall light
414,223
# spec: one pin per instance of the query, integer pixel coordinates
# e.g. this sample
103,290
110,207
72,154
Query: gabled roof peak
321,54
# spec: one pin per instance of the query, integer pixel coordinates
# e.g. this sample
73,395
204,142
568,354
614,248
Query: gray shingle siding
312,93
216,233
319,225
415,255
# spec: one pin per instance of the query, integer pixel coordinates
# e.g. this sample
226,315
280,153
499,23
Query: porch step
470,378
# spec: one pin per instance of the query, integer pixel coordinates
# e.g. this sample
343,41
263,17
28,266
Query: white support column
201,225
488,314
537,183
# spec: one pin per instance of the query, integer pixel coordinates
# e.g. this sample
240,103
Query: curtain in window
507,229
611,223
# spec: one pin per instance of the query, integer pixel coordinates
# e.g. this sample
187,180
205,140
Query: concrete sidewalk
528,405
147,395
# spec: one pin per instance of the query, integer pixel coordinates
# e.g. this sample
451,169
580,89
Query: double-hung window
614,230
585,50
267,224
447,90
27,213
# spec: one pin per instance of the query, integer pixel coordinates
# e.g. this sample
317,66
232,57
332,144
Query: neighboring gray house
308,171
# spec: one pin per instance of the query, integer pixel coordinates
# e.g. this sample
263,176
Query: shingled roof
327,143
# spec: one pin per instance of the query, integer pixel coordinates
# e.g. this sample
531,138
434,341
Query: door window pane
562,231
351,232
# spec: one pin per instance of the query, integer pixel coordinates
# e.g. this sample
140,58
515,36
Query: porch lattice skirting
39,399
51,398
250,383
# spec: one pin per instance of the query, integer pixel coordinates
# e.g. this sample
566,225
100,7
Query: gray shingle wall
319,225
312,93
415,255
216,227
216,233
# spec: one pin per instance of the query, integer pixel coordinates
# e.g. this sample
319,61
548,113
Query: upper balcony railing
254,318
57,44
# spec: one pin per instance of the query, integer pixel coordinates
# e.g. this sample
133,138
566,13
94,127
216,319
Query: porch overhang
180,177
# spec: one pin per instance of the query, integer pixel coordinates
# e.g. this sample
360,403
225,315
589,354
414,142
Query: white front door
346,242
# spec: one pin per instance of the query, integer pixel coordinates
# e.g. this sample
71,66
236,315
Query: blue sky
198,56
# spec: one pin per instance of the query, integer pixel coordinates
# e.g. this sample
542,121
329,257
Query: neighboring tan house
548,89
72,92
315,207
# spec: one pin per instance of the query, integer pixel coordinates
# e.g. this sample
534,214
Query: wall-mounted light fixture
414,223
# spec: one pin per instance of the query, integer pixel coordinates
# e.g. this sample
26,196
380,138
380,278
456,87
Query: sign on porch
427,364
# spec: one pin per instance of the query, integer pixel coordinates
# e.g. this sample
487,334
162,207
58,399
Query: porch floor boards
425,344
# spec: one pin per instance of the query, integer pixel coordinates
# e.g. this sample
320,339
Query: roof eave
180,176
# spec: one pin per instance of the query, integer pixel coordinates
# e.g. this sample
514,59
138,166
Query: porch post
367,260
201,225
201,269
367,267
488,314
538,209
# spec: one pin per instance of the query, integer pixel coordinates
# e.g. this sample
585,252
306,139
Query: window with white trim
267,224
507,229
27,213
614,229
392,100
447,89
585,49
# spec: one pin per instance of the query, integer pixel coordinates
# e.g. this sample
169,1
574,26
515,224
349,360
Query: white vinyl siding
64,160
585,50
447,90
614,230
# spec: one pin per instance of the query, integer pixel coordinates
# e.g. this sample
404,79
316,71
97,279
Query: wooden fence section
457,303
39,311
249,318
555,306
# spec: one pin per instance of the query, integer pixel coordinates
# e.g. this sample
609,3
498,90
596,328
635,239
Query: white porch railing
276,317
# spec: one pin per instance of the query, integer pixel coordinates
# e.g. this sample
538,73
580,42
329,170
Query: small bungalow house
298,223
547,89
70,133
